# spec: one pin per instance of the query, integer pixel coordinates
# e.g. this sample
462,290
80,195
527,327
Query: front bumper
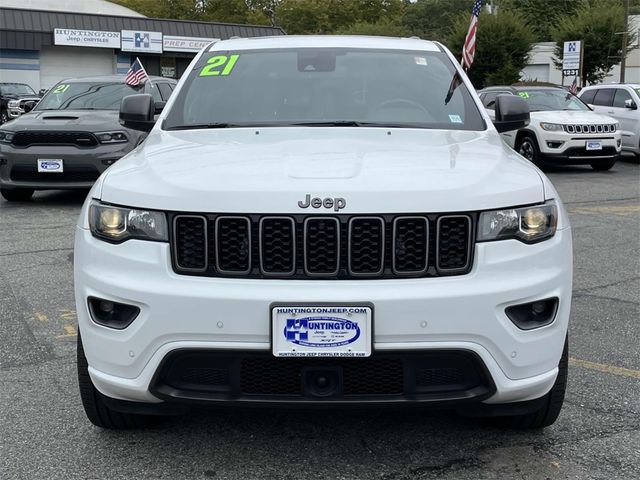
566,149
82,166
464,313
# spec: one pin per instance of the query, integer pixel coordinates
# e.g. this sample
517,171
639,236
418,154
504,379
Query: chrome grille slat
328,248
445,261
190,242
365,256
278,252
401,250
233,244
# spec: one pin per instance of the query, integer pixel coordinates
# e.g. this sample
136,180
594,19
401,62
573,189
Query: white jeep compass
323,221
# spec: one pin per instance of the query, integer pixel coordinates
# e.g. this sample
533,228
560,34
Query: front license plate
321,331
50,165
594,145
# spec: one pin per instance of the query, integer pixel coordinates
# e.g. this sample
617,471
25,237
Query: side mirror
512,113
158,107
137,111
28,106
630,104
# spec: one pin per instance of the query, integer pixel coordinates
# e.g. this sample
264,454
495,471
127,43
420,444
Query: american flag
136,74
574,86
469,48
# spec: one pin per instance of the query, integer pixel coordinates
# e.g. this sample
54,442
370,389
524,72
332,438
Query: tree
330,16
541,15
382,27
432,19
503,42
598,24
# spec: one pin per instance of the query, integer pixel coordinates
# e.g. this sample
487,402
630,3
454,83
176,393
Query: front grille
590,129
583,152
71,173
410,375
277,376
79,139
316,247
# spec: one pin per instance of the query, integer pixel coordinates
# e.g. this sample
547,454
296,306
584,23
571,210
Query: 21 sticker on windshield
214,64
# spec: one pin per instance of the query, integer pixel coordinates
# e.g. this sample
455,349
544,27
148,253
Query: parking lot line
602,367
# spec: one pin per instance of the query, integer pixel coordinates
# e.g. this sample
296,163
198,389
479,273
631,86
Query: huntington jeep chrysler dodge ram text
323,220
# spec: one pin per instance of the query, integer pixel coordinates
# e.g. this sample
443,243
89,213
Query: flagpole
145,72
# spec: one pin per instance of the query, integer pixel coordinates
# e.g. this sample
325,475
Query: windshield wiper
196,126
331,123
348,123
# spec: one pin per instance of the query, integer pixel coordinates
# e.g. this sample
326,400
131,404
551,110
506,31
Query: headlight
527,224
551,127
13,103
112,137
6,137
117,224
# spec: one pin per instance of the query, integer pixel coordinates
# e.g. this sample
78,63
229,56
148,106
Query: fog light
112,314
554,144
619,142
528,316
105,306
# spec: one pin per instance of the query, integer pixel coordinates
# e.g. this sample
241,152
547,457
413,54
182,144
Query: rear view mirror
137,112
511,113
28,106
158,107
630,104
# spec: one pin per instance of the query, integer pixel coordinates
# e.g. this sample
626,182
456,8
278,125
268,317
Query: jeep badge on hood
337,203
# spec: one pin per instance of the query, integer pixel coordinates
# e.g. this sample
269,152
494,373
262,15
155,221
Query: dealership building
45,41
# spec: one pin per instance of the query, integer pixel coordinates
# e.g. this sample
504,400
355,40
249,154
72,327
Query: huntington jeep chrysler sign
86,38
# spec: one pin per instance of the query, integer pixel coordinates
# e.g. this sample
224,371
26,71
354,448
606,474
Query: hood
270,170
580,117
13,96
66,120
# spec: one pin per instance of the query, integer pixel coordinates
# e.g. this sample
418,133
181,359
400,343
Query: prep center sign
571,55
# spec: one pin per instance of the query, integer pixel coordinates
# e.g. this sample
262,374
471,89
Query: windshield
544,100
323,87
16,89
86,96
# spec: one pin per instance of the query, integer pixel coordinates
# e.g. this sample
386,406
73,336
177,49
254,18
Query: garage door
536,72
58,63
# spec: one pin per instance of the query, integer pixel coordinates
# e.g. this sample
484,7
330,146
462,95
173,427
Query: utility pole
623,62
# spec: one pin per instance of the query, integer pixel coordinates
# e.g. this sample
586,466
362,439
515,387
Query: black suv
15,99
72,135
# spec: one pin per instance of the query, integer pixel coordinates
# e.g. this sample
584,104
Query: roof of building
25,29
99,7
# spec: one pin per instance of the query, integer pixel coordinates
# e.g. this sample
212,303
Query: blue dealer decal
321,331
49,165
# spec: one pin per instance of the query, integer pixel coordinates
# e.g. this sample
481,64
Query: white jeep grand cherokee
323,221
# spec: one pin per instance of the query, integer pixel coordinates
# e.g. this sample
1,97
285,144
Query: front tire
96,409
603,166
549,412
16,194
528,148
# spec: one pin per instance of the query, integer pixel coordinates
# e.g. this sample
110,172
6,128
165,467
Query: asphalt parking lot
44,433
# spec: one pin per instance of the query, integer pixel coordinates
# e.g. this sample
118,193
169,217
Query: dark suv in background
15,99
72,135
